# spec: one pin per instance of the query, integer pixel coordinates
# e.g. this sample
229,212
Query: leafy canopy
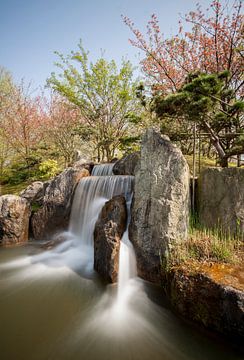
103,93
207,100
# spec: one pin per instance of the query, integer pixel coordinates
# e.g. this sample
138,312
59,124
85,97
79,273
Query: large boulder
208,299
160,206
14,219
83,164
127,165
221,199
54,214
108,232
34,193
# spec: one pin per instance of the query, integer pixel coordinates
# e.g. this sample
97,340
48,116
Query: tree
64,128
103,94
6,87
213,44
6,90
23,123
207,101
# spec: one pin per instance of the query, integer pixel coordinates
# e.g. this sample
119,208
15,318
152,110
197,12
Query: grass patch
14,189
205,245
205,162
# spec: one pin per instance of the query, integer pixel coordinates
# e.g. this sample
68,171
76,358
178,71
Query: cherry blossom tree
213,44
64,128
23,123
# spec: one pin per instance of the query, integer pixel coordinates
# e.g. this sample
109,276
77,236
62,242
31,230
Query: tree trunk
223,159
223,162
238,160
98,154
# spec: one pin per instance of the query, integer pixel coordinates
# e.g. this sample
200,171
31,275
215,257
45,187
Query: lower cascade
65,312
90,196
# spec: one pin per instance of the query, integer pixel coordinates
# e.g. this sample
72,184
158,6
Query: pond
51,307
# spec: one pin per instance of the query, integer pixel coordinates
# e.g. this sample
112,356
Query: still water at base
51,307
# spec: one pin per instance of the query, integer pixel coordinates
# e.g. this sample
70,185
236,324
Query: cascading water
90,196
127,264
102,170
48,300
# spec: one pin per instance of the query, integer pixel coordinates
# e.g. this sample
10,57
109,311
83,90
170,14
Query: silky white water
52,306
102,170
90,196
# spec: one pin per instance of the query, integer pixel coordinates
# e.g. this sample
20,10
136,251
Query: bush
19,173
48,169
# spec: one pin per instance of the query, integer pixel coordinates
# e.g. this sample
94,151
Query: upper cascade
90,196
102,170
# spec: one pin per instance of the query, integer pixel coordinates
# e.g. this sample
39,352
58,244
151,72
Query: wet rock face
54,214
34,193
14,219
221,199
160,207
108,232
127,165
216,306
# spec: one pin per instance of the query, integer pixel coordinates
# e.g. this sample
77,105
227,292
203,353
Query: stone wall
221,199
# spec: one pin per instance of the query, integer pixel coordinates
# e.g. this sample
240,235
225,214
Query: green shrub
48,169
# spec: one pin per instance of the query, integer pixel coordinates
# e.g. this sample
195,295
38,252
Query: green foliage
103,93
193,100
48,169
206,245
208,101
20,171
129,144
6,86
17,176
35,207
14,189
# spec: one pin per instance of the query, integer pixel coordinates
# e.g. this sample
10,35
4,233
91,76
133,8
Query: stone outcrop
160,207
199,297
108,232
34,193
127,165
221,199
83,164
14,219
54,214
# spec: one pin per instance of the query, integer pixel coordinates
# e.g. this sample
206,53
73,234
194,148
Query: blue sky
32,29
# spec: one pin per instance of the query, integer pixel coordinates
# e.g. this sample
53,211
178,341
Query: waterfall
127,262
90,196
102,170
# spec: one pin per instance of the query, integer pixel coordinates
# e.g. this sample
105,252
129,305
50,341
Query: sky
31,30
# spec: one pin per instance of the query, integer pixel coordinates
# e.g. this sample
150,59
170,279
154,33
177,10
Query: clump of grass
35,207
206,245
